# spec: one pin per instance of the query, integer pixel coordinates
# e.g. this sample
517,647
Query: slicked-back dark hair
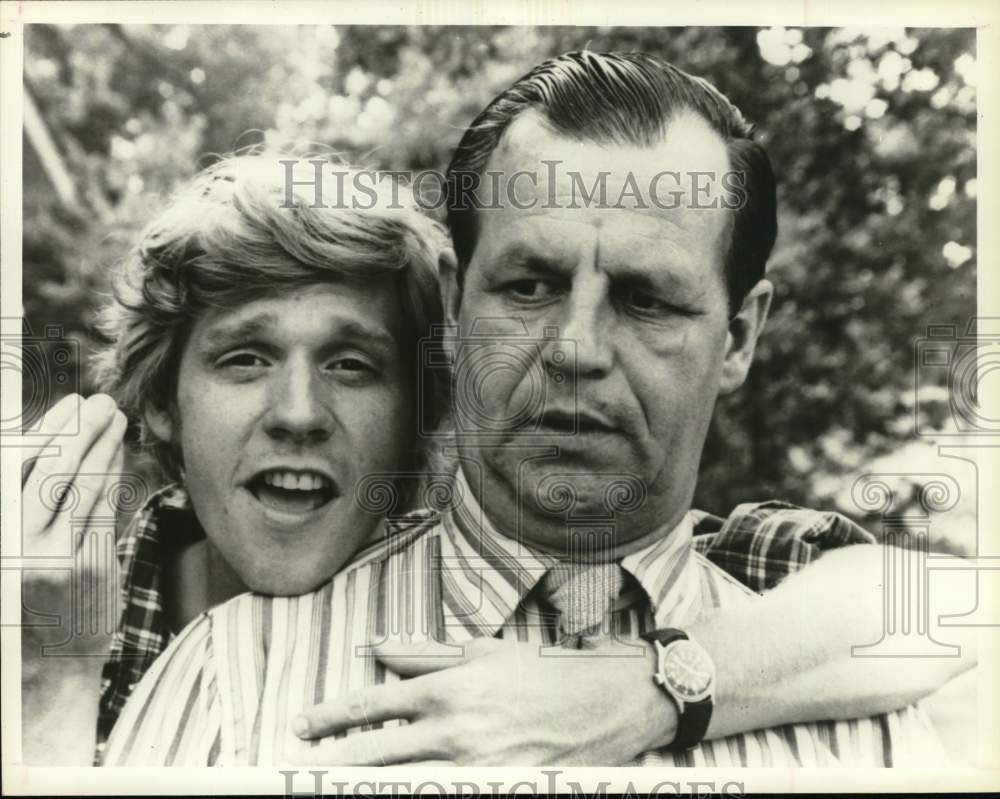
623,99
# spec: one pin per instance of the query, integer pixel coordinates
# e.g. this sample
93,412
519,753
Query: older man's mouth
574,423
292,492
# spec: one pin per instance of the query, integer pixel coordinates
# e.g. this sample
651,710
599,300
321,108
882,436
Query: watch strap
692,717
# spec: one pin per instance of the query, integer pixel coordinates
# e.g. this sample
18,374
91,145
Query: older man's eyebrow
659,279
521,257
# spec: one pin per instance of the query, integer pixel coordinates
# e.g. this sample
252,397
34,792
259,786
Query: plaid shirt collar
165,522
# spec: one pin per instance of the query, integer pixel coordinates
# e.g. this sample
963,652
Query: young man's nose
299,405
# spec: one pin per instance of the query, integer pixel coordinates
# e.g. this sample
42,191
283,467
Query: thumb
412,660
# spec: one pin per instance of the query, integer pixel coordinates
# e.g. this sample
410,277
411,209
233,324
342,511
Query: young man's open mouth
292,492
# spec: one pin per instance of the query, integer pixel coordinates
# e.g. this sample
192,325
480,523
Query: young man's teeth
291,481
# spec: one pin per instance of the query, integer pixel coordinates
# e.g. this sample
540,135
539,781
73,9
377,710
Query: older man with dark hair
571,527
623,99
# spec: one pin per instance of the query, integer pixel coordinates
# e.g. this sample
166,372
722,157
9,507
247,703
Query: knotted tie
584,594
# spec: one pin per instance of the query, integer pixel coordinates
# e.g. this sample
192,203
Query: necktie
584,594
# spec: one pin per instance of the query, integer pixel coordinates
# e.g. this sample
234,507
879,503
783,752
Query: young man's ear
451,285
159,423
741,340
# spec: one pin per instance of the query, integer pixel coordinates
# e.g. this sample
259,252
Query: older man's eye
529,289
643,302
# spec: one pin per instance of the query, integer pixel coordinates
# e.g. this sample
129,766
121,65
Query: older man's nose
586,331
299,405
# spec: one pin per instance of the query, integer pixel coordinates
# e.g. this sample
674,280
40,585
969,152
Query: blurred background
872,134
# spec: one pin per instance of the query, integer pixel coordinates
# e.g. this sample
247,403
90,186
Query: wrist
686,673
660,711
57,633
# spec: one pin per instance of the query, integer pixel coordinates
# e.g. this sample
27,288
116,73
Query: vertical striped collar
666,571
485,574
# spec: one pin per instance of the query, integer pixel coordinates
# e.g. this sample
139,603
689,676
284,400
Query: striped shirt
227,688
758,543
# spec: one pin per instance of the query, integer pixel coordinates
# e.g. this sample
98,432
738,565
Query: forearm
788,657
59,705
61,663
60,681
780,658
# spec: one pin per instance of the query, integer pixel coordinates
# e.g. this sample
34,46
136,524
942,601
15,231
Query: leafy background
872,134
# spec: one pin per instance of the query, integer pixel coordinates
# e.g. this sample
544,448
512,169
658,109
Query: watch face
688,670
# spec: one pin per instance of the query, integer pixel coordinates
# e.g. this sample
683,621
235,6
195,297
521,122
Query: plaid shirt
164,523
758,543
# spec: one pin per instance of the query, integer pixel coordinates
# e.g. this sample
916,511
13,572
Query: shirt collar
485,574
664,570
165,520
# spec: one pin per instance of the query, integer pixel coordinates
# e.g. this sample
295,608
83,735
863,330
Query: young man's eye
352,365
244,360
353,369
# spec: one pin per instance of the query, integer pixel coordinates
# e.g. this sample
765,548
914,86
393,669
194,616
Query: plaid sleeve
762,543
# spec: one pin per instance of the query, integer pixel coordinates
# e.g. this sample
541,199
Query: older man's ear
741,339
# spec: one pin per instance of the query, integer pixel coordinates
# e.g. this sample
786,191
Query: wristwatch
686,673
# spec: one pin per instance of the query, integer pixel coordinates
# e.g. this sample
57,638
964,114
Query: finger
56,418
413,660
118,462
399,700
95,415
86,509
382,747
98,469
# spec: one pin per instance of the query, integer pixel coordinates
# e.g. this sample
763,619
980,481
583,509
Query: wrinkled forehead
675,194
689,147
